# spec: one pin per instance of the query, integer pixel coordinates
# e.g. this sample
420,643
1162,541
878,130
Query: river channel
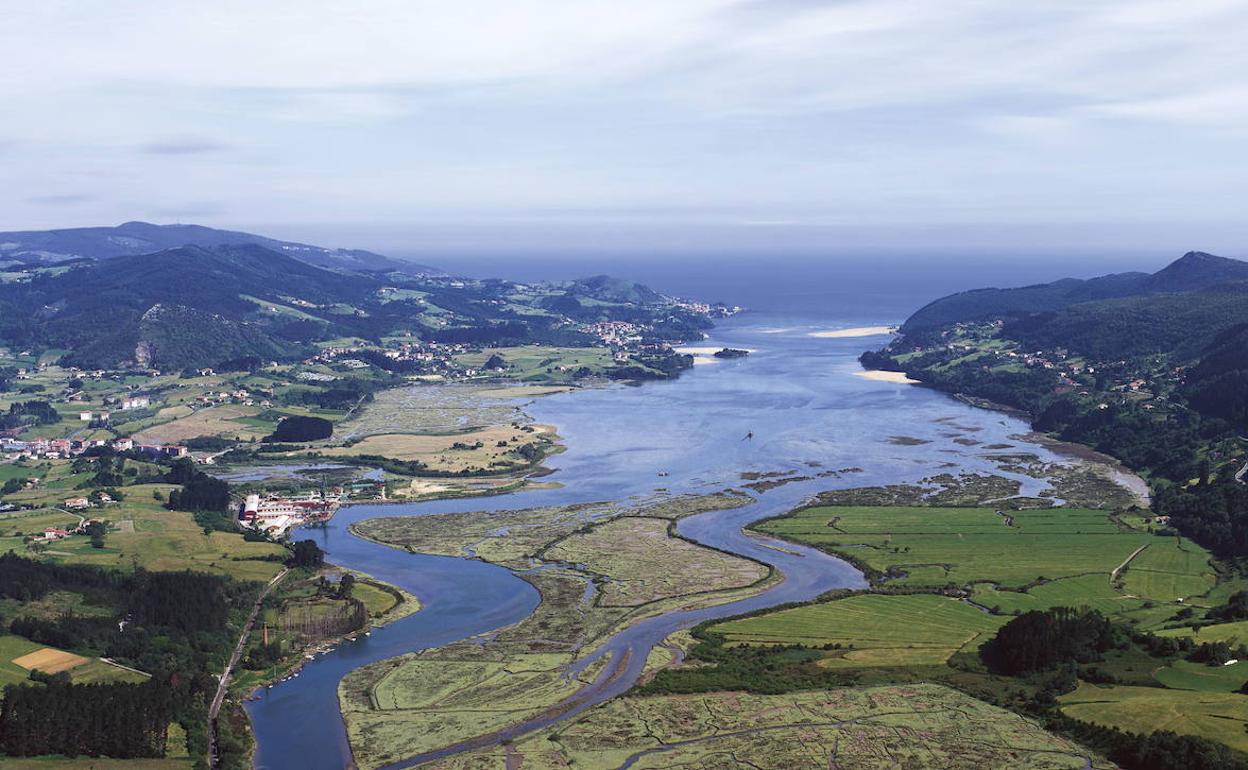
795,404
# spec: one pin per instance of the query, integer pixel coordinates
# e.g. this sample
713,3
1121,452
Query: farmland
1045,557
142,533
535,363
851,729
872,630
19,656
1218,716
495,448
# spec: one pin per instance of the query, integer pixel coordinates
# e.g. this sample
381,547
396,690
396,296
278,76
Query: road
224,684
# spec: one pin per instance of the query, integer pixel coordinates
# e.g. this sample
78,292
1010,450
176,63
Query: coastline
883,375
856,331
1118,471
407,604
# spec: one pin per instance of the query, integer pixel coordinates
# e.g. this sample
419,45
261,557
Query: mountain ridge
1194,271
137,237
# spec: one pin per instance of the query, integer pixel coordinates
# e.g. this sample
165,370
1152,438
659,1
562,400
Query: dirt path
1114,575
224,685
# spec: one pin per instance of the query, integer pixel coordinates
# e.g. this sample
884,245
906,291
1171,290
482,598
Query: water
808,413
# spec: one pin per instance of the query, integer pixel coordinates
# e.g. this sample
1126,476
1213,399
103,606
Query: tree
345,585
96,530
299,428
306,554
1036,641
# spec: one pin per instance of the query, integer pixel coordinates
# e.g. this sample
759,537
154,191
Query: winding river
807,412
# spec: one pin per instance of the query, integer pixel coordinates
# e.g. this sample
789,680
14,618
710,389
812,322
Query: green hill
1156,376
132,238
1193,272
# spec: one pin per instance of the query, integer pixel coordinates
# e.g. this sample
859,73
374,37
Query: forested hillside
202,306
1156,375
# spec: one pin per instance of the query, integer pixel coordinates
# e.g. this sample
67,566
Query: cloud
744,110
182,147
60,200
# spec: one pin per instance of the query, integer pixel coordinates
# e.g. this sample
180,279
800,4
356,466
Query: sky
553,126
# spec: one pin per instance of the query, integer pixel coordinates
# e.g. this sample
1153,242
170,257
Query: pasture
1050,557
1185,675
225,421
1233,633
538,363
18,656
1218,716
163,540
492,448
872,629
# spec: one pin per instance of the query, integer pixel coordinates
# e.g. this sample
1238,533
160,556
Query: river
807,412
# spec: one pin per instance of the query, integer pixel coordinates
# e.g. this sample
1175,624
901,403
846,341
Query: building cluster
58,448
51,534
239,396
274,515
615,333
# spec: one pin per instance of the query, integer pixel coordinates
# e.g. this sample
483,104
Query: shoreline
883,375
1117,471
407,604
856,331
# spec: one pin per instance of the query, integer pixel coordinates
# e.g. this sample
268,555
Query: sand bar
706,351
857,331
879,375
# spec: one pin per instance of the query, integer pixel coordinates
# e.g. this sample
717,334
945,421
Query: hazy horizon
662,126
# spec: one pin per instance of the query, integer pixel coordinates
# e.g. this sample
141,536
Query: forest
177,628
112,720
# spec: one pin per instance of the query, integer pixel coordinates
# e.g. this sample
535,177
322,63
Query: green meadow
1012,561
873,629
1218,716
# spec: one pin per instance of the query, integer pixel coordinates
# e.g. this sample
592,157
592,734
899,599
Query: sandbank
857,331
880,375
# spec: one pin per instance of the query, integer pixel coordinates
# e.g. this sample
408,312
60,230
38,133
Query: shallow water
807,413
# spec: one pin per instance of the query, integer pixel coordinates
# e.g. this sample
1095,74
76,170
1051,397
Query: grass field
158,539
1059,556
1219,716
1094,590
35,522
497,450
18,656
1234,633
535,363
919,726
376,600
1185,675
873,630
936,546
1177,571
645,563
226,421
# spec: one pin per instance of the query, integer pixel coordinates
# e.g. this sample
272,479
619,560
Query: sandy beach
879,375
857,331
